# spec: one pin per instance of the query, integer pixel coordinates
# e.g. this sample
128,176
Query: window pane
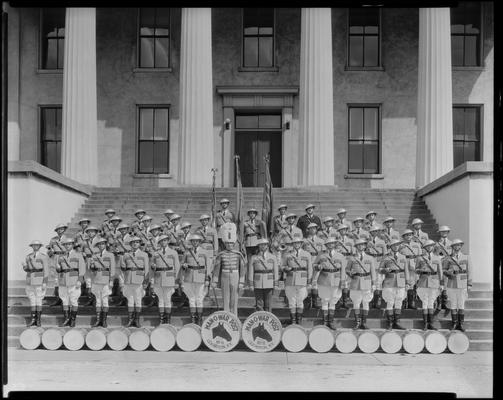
371,158
265,31
61,53
458,153
147,53
269,121
162,52
472,123
48,124
356,123
146,121
457,20
246,121
52,18
372,29
251,18
457,50
266,17
160,161
59,123
265,55
251,52
355,158
356,51
147,21
51,55
356,20
371,124
472,19
458,123
471,50
472,152
251,31
162,20
161,124
371,51
147,31
145,161
52,155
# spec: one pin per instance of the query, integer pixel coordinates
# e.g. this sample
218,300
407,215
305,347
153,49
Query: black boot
357,321
461,320
130,321
425,322
137,319
331,319
193,318
98,320
293,318
396,322
58,300
325,318
363,322
73,317
167,318
444,299
162,317
299,318
454,320
104,315
430,322
411,299
33,321
438,304
39,317
345,299
66,315
378,302
389,320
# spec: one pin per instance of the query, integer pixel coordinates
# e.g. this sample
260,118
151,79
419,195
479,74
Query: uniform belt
70,270
251,234
164,269
410,256
264,271
299,269
362,274
330,270
428,273
196,266
59,252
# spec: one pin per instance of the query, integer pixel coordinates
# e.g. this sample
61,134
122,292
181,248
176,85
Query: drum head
188,337
74,339
52,339
221,331
96,339
346,342
30,339
163,338
413,343
294,338
435,342
321,339
139,340
458,343
117,339
368,342
261,331
391,342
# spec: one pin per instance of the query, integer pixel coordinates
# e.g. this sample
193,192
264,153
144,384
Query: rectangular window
466,127
363,37
363,139
466,22
50,137
258,37
52,38
154,38
153,140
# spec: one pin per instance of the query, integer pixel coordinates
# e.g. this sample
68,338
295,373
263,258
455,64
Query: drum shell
458,342
346,341
262,345
368,342
52,338
413,342
390,342
31,338
294,338
139,339
75,338
321,339
232,329
96,338
118,338
184,337
159,333
435,342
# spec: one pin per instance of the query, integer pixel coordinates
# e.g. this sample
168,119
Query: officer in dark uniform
307,219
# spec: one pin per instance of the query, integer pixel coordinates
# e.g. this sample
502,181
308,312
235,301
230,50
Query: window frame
480,107
481,47
40,147
274,67
379,67
137,139
41,68
137,67
379,135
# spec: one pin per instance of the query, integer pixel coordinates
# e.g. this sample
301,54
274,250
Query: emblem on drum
221,331
262,331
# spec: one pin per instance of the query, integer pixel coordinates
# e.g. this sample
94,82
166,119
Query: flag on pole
213,201
239,205
267,198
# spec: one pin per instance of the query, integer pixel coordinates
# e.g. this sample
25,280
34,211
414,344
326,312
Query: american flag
267,198
239,214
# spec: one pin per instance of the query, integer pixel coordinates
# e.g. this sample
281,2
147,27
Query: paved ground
468,375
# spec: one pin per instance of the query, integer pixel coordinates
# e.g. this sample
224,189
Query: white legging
329,295
134,294
164,295
427,296
69,295
195,293
457,298
393,297
101,292
296,296
362,297
36,294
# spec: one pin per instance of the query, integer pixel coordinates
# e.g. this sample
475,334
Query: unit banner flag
267,199
239,205
213,200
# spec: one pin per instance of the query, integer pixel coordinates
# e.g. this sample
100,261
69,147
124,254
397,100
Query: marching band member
254,229
280,220
282,241
263,275
81,235
389,232
411,250
175,224
209,235
370,220
328,230
345,246
224,216
359,232
419,235
341,219
314,246
137,224
106,225
153,237
443,249
376,247
54,250
166,225
36,266
307,219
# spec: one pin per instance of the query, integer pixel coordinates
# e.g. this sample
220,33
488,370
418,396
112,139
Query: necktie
361,257
396,257
358,231
164,251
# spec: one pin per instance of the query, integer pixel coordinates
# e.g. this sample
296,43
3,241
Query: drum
458,342
52,338
435,342
346,341
391,342
221,331
294,338
139,339
262,331
31,338
118,339
368,342
96,338
321,339
75,338
188,338
413,342
163,338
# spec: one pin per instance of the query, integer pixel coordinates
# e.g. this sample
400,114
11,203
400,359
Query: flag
239,214
213,201
267,198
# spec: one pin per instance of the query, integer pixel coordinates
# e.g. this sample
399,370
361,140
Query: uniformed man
36,266
376,247
208,234
314,246
71,269
443,249
106,225
358,232
299,272
411,250
135,268
263,276
166,225
328,229
419,235
87,246
345,245
224,216
102,268
121,241
280,220
307,219
341,219
153,235
287,234
54,250
142,233
254,229
429,268
196,275
330,278
114,223
229,273
81,235
361,269
395,268
165,269
182,237
175,224
137,224
457,269
370,219
389,232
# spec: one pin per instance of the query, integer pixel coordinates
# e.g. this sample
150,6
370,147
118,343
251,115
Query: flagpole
240,200
213,199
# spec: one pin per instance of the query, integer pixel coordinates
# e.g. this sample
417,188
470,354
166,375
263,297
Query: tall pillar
79,146
434,154
316,123
196,98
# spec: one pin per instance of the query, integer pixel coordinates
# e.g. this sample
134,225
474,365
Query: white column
79,135
196,98
434,154
316,124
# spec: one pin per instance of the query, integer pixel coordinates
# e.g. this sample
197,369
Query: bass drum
413,342
96,338
52,338
75,338
321,339
139,339
346,341
188,338
368,342
294,338
458,343
391,342
118,338
31,338
163,338
435,342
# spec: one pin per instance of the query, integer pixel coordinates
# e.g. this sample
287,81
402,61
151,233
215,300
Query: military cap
312,225
417,221
457,241
123,226
370,212
140,210
174,216
331,239
162,237
359,219
134,239
99,239
252,210
67,240
169,211
185,225
291,215
84,220
282,206
341,210
262,241
326,219
375,228
154,226
116,218
394,242
343,226
360,241
430,242
388,219
204,216
407,232
59,226
444,228
91,228
35,243
310,205
224,201
146,218
109,211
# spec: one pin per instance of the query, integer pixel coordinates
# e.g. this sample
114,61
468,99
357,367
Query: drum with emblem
261,331
188,337
368,342
346,341
118,338
96,338
413,342
435,342
163,337
52,338
75,338
321,339
294,338
31,338
139,339
221,331
458,342
391,342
